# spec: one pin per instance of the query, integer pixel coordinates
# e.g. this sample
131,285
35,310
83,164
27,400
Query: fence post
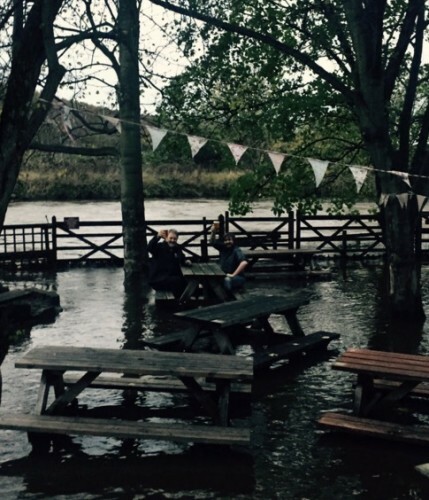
226,226
298,230
223,224
204,244
291,230
418,239
54,240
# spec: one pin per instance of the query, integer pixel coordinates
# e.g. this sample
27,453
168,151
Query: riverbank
92,181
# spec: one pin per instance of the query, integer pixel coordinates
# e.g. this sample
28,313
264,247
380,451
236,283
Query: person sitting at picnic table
165,273
231,260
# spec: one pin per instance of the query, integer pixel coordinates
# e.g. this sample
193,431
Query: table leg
293,323
219,291
223,390
68,396
223,342
189,290
202,397
364,396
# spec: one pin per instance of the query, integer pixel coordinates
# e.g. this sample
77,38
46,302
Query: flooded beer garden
290,456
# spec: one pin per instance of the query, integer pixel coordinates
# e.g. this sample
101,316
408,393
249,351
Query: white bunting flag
156,135
116,122
359,173
319,168
384,198
237,151
421,201
403,199
66,120
403,175
196,143
277,160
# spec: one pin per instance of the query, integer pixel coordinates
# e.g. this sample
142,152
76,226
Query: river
290,457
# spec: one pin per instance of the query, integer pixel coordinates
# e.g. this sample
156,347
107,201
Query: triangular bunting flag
116,122
403,175
403,199
421,201
156,135
237,151
319,168
277,160
384,198
196,143
66,120
359,173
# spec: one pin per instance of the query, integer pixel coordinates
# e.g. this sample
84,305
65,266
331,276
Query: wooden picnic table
228,320
210,276
50,413
384,381
299,257
372,367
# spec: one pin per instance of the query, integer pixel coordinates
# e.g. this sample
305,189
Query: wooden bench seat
415,434
150,384
296,345
164,298
125,429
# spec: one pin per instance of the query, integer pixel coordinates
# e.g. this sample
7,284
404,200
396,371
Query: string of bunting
319,167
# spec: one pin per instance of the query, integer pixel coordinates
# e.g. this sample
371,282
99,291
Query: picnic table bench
218,374
300,258
384,381
247,321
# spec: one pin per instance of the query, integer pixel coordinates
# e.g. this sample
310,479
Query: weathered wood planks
137,362
415,434
48,424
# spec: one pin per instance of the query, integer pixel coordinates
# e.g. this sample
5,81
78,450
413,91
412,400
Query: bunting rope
319,167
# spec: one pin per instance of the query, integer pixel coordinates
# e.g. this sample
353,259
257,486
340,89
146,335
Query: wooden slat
415,434
422,390
137,362
245,311
147,383
125,429
402,366
278,352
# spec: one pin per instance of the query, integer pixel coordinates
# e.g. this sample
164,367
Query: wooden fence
72,240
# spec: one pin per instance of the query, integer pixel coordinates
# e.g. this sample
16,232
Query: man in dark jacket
165,273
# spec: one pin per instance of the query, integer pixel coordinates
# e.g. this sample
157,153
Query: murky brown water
290,458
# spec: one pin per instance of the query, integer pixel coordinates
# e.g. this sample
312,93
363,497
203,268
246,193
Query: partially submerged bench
384,381
414,434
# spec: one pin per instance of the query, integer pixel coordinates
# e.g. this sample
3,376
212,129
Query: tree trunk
19,122
132,202
400,225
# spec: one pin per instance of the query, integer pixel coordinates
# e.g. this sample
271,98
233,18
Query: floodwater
289,458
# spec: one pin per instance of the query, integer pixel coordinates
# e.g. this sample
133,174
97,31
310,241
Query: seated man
231,260
165,273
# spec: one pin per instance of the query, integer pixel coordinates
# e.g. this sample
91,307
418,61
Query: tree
35,74
369,54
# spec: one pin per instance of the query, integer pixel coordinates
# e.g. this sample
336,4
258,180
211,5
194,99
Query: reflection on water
289,457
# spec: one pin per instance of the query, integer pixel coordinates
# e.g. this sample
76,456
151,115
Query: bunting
116,122
277,160
319,168
359,174
156,135
237,151
196,143
403,175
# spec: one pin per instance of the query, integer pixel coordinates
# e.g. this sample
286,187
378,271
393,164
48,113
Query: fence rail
74,240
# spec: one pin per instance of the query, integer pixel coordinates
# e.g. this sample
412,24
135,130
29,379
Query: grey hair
174,231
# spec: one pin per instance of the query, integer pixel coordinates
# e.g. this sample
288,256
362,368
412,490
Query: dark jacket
229,257
166,260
